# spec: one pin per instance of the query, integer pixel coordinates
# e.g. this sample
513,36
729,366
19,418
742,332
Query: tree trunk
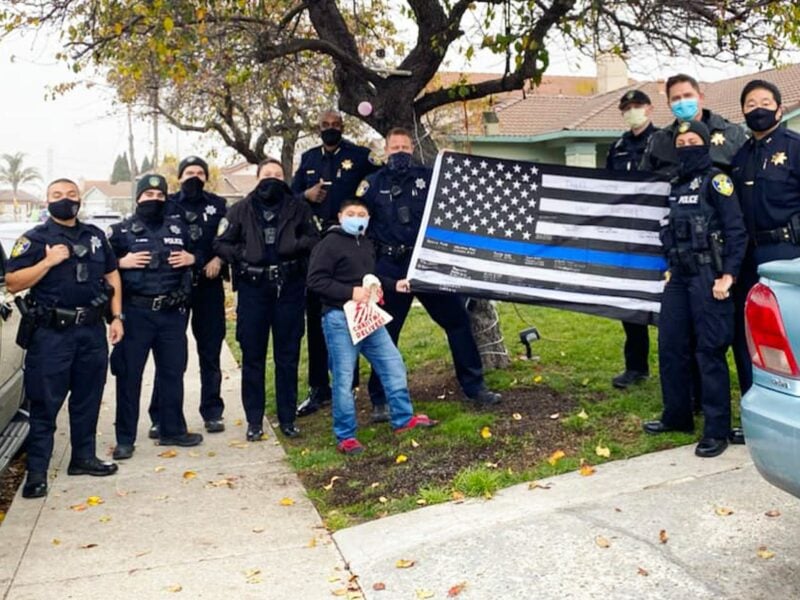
287,153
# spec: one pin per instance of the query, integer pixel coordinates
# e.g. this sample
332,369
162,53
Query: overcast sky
80,133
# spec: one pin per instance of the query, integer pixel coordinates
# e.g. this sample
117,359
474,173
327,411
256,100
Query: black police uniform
704,238
396,203
267,244
625,155
202,215
154,300
345,167
660,155
767,177
68,352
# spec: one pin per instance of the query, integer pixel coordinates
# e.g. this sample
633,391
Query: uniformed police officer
327,175
267,238
704,240
396,197
155,259
202,211
686,103
625,155
72,276
766,171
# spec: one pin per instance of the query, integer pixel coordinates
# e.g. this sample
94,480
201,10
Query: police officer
625,155
202,211
686,103
704,240
155,261
766,171
327,175
72,276
396,196
267,238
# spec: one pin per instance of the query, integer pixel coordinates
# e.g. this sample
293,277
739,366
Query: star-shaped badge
420,183
96,243
718,138
347,164
695,183
175,229
211,210
779,158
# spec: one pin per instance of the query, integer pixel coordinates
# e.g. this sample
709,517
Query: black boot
316,399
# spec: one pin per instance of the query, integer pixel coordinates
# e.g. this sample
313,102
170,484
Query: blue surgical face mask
685,109
355,225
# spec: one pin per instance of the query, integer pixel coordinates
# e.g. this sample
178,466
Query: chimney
612,72
491,123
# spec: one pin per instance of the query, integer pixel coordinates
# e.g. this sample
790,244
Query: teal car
771,407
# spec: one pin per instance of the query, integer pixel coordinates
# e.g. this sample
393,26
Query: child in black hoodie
336,270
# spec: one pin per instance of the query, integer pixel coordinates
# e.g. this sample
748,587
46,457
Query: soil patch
10,481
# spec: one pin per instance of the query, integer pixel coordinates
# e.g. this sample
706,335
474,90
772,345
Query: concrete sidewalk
595,537
226,519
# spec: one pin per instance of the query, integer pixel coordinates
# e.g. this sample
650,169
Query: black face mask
64,209
761,119
192,187
270,190
693,160
331,136
150,210
399,162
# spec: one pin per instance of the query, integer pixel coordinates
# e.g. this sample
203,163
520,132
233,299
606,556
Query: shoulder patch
362,188
375,159
723,184
223,226
109,231
21,247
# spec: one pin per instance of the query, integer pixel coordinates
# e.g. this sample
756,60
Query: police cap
192,160
697,127
633,97
150,181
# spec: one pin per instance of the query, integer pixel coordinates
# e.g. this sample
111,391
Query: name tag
173,241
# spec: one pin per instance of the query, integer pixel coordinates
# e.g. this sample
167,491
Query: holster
27,323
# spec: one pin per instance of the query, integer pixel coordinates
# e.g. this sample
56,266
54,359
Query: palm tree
14,174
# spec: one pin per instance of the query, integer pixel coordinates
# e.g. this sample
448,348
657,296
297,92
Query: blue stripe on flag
599,257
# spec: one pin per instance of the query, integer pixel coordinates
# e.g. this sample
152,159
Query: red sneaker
350,446
423,421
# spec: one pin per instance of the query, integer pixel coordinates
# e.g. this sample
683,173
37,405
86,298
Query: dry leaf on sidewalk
602,542
456,589
404,563
168,453
662,536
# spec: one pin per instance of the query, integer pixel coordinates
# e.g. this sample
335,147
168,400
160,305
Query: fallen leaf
305,452
583,415
334,579
87,546
773,513
586,469
2,516
378,586
340,592
486,433
456,589
193,453
257,530
602,542
159,469
491,465
122,493
441,397
662,536
237,444
555,416
421,501
328,487
404,563
189,474
253,575
56,542
424,594
375,485
168,453
603,451
79,507
286,502
238,422
538,379
723,512
643,572
764,553
94,500
535,484
555,457
516,417
383,499
312,543
457,496
211,453
414,443
104,519
227,482
175,588
401,458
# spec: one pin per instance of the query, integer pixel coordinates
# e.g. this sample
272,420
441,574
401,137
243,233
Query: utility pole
133,166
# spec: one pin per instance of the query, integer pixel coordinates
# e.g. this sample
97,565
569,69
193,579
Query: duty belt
776,236
154,303
61,318
272,272
399,251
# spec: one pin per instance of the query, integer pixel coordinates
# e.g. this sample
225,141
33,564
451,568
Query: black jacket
241,238
338,264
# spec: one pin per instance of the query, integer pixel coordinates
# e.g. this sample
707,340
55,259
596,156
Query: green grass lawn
561,401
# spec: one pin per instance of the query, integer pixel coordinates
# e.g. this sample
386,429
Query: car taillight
766,336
